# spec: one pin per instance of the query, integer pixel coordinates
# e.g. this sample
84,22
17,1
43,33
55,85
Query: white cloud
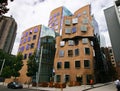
28,13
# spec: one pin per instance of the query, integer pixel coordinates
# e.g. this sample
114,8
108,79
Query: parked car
14,85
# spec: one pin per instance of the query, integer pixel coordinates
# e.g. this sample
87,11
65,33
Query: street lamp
2,66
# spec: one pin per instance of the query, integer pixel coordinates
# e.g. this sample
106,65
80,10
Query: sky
29,13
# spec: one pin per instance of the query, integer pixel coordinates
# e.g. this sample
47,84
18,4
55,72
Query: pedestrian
91,82
117,83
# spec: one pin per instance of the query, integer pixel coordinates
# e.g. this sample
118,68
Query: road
3,88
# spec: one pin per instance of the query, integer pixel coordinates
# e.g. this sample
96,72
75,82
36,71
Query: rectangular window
76,52
76,41
68,30
62,43
67,78
36,30
70,42
83,28
25,56
87,51
29,39
27,46
77,64
87,63
67,22
32,45
74,20
85,40
70,53
58,78
73,29
85,21
61,53
67,65
34,37
30,31
59,65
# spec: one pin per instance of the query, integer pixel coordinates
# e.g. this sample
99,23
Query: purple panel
27,46
73,29
29,38
36,30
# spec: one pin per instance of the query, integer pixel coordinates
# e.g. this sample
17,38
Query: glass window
32,45
68,30
59,65
29,38
85,21
77,64
35,30
86,63
85,40
75,20
83,28
67,22
24,40
84,12
62,43
67,65
67,78
27,46
25,56
79,15
70,42
34,37
87,51
70,53
76,52
73,29
30,54
61,53
26,33
58,78
76,41
30,31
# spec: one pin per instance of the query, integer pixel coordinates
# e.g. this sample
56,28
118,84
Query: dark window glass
25,56
76,42
30,32
86,63
34,37
58,78
77,64
87,51
70,53
32,45
59,65
30,54
67,65
67,78
76,52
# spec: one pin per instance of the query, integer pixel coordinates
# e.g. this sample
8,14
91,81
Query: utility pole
38,73
2,66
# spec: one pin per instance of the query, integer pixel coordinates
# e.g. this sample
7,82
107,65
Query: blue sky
28,13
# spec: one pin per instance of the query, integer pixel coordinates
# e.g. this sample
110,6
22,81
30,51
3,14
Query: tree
12,64
32,66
